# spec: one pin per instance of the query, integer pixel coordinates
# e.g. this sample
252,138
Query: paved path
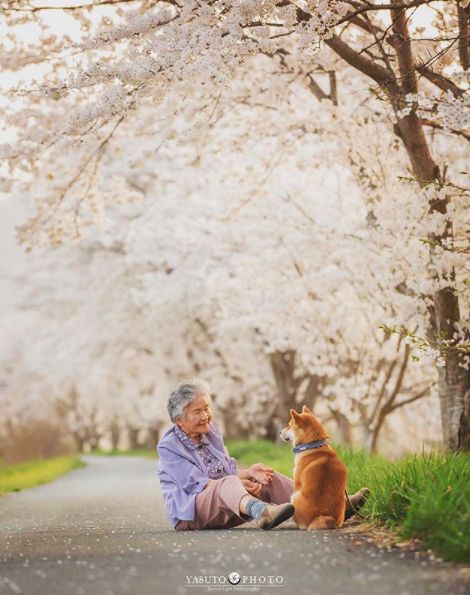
101,530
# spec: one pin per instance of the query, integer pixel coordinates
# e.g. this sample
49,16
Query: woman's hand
260,473
252,487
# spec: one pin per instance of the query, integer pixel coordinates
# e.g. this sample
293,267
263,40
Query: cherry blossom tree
170,66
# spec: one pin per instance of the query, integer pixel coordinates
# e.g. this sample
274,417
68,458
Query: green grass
14,478
279,457
421,496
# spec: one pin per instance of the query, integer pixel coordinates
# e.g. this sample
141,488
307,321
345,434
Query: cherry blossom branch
439,80
437,126
377,7
441,346
10,6
416,397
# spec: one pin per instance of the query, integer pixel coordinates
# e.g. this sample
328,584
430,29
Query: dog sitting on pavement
319,474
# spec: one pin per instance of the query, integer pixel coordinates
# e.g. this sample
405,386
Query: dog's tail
322,522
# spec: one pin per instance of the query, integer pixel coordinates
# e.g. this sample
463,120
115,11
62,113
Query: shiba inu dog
319,475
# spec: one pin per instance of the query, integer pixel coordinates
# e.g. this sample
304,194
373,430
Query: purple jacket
182,472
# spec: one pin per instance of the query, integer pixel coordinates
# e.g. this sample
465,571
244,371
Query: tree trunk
115,435
134,443
344,427
153,435
233,430
93,438
283,366
366,437
79,441
374,438
272,429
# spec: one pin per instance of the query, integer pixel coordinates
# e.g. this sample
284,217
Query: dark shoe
274,514
357,500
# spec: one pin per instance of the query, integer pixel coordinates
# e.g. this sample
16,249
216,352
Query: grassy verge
421,496
14,478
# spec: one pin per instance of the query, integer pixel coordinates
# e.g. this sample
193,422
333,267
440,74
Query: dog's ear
294,414
305,409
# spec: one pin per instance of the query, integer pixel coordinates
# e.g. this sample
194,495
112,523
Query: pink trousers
217,506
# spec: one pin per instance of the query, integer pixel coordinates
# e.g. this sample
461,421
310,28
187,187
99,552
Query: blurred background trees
250,192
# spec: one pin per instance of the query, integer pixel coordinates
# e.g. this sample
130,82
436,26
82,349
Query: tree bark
343,425
115,434
453,379
79,441
134,443
464,35
153,435
283,368
283,365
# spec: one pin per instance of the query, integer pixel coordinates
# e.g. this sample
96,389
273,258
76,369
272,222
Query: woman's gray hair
183,394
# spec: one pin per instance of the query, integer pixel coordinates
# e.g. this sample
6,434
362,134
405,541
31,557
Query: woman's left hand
261,473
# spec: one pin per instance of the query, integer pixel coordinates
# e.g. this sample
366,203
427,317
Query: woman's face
198,416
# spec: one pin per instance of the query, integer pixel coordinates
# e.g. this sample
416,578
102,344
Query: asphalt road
101,530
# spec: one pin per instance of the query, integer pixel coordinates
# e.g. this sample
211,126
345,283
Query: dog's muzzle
286,435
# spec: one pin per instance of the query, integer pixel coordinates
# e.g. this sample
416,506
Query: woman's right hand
252,487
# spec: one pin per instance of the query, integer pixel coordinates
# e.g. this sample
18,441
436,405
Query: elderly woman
201,484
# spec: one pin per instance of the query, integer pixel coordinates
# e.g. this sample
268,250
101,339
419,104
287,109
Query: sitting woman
201,484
